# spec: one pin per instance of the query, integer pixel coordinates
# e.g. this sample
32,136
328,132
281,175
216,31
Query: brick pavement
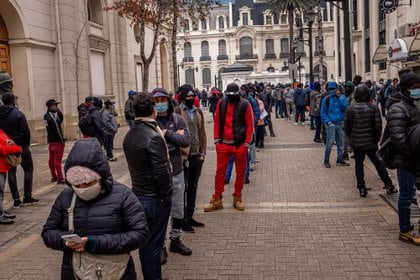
301,221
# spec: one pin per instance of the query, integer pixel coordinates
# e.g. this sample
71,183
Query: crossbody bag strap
70,211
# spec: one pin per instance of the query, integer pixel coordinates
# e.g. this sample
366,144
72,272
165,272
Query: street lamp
310,18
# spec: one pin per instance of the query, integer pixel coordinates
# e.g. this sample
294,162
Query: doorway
4,48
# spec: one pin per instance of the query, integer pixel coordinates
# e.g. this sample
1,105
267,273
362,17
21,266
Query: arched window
187,49
95,11
245,46
222,47
206,77
324,73
204,48
271,69
221,22
285,68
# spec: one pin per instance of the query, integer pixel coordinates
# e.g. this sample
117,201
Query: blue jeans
157,215
300,110
109,145
334,131
407,183
230,167
279,109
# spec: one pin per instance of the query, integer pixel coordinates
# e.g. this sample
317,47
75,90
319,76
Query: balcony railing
284,55
270,56
205,58
222,57
246,56
188,59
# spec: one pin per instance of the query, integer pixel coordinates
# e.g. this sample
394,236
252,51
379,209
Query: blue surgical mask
414,93
162,107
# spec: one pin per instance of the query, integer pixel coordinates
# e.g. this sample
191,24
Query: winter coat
333,113
13,123
363,126
128,109
115,219
147,159
315,103
213,100
110,122
288,95
7,147
53,126
299,97
414,145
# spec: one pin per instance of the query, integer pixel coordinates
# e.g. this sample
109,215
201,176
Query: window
244,18
97,72
367,15
268,20
187,49
324,11
204,25
271,69
204,48
367,55
245,46
355,24
206,77
222,47
283,19
284,48
189,77
95,11
269,46
221,22
285,68
187,25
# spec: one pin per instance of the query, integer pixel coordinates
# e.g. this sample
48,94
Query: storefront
414,53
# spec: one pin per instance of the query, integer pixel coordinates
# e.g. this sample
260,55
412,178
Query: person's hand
180,132
163,132
338,93
79,246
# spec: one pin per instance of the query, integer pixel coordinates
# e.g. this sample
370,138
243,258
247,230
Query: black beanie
408,78
184,91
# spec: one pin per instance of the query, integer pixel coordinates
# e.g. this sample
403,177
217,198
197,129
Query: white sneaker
303,123
296,123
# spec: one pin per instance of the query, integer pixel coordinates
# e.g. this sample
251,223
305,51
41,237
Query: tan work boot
215,204
238,204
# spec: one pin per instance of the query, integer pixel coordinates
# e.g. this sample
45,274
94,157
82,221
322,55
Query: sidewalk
301,221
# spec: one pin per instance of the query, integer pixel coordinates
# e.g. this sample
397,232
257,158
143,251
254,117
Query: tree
279,6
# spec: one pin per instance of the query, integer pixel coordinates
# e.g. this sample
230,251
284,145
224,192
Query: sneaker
363,192
390,190
303,123
296,123
215,204
61,182
327,164
195,223
272,135
6,221
178,247
410,237
163,255
346,156
8,215
227,181
317,140
342,163
53,179
17,203
246,180
187,227
238,204
29,200
252,168
112,159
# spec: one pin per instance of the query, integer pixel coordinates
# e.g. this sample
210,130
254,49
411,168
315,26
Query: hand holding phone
72,238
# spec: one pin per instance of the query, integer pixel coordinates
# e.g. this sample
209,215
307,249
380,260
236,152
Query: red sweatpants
224,152
56,155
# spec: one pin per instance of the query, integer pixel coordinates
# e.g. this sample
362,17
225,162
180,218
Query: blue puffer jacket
333,113
115,220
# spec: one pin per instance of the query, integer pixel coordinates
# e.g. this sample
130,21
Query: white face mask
88,193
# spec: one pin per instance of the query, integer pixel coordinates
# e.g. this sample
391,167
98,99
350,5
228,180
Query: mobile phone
72,237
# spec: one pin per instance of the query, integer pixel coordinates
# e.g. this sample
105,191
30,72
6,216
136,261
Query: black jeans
28,168
192,174
318,125
109,145
359,157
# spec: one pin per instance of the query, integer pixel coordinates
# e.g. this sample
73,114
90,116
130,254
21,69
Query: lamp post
310,18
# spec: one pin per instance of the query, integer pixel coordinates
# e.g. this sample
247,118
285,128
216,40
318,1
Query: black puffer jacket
414,143
363,126
115,218
13,122
400,124
147,159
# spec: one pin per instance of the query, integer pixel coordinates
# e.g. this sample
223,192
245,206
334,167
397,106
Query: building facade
70,49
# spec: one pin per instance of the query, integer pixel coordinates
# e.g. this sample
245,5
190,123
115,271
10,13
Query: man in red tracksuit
233,128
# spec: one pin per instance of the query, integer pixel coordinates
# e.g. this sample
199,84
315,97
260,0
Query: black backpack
85,120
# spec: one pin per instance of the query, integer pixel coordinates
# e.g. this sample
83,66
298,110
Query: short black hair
144,104
8,98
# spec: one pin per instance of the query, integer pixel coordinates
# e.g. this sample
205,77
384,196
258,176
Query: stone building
70,49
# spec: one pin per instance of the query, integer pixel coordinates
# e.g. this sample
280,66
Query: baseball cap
332,85
157,92
232,89
51,102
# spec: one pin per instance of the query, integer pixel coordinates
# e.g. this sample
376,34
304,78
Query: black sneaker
227,181
187,227
163,256
29,200
6,221
327,164
178,247
390,190
246,180
342,163
195,223
17,203
8,215
363,192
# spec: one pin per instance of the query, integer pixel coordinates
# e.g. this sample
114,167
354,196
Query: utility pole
320,45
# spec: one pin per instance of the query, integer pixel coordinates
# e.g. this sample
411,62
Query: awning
398,49
380,55
415,45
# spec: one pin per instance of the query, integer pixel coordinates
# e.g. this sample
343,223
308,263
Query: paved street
301,221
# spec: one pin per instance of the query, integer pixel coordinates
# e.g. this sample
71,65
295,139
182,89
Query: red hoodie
7,147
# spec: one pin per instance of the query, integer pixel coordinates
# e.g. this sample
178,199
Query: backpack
12,160
85,120
386,151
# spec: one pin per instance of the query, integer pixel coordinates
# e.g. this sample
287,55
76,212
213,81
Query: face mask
189,103
88,193
162,107
414,93
233,98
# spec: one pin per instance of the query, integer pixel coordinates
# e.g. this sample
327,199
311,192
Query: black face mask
189,103
233,98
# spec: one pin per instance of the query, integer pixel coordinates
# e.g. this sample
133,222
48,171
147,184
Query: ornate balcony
246,56
222,57
284,55
205,58
270,56
188,59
